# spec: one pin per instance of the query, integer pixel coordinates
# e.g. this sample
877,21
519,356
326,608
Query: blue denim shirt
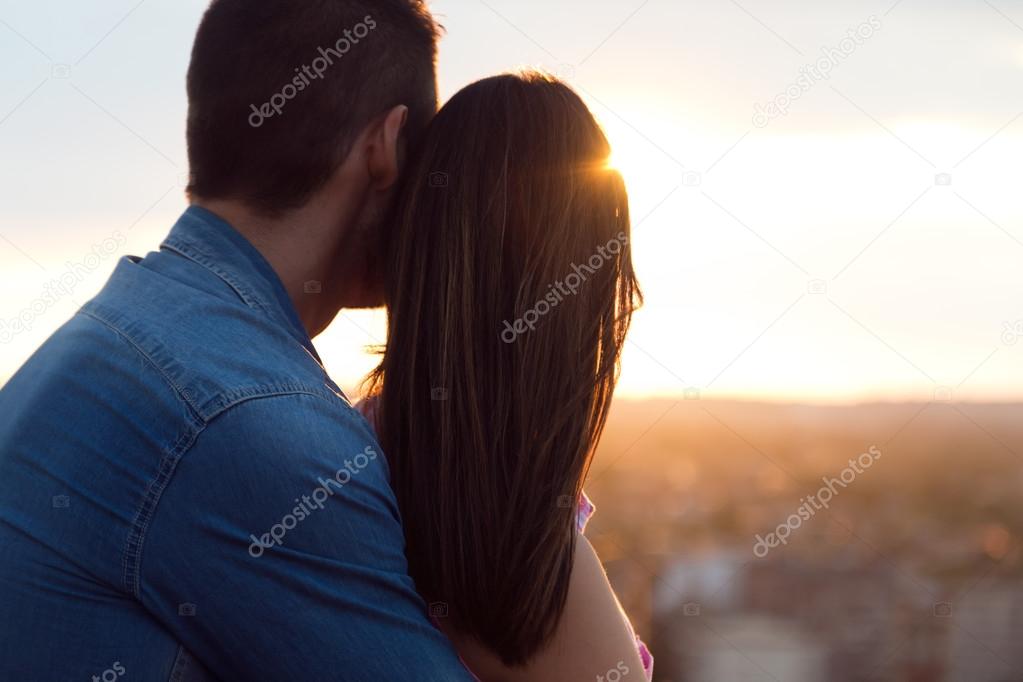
186,495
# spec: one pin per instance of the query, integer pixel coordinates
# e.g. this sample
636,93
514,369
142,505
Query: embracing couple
186,495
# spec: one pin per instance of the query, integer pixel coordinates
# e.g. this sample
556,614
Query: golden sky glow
864,244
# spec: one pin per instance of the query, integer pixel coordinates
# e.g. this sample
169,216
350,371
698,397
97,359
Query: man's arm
276,552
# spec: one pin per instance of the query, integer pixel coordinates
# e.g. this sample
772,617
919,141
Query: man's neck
301,248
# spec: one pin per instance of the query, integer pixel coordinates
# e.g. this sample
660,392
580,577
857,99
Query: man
184,493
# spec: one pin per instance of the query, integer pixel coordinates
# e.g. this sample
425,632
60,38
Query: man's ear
384,148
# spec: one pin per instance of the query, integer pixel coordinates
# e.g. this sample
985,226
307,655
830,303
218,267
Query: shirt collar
205,238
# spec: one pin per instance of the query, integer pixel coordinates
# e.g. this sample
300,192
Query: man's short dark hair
278,90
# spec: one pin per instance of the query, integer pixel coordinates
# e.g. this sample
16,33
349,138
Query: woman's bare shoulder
592,637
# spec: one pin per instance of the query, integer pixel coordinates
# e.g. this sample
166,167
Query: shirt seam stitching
168,467
131,342
187,249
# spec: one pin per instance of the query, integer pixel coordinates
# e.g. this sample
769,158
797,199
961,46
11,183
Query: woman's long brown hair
509,294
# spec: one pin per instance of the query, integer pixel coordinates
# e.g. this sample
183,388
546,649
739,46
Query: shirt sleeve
276,552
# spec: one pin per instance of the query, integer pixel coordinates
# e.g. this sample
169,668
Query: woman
510,292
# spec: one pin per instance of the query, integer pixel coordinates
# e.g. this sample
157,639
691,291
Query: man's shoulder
212,351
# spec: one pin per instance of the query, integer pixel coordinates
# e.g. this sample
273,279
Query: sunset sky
867,244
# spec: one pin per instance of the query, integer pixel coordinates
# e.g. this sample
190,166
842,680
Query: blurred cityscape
909,570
